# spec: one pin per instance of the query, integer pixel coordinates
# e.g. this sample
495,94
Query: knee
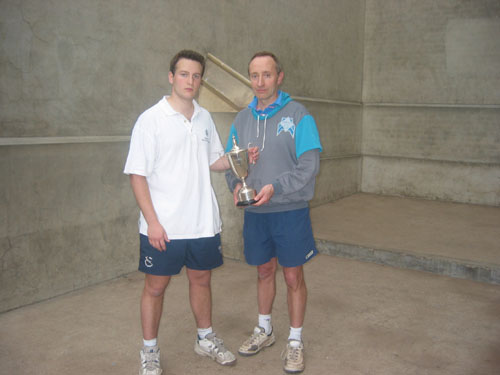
199,278
155,288
294,278
266,271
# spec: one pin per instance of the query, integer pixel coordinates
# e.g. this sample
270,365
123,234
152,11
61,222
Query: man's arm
305,170
287,183
156,233
222,163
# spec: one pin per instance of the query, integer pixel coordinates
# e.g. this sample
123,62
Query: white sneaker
257,341
293,357
150,358
213,347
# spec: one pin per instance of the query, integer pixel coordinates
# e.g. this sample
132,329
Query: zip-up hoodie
289,146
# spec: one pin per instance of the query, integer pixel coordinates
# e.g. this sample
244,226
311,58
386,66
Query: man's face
265,79
187,79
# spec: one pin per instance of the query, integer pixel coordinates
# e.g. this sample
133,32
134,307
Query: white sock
203,332
150,343
265,322
295,334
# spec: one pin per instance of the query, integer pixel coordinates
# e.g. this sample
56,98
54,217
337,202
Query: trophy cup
238,158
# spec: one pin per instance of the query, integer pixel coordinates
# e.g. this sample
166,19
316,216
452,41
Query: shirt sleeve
141,153
216,149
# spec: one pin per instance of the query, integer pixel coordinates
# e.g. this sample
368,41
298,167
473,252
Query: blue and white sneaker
213,347
150,361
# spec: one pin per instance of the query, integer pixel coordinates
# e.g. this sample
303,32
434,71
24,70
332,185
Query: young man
174,146
278,226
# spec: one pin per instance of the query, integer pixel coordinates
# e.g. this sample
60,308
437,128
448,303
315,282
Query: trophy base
246,203
246,196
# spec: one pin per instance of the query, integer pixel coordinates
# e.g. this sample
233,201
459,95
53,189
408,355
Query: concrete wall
340,130
411,85
76,74
66,219
431,119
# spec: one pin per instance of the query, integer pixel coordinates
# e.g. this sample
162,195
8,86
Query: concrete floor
453,239
362,318
444,229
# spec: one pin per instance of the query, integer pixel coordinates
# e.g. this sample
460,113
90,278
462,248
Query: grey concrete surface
67,219
340,128
431,104
76,69
227,83
88,69
474,183
436,153
453,239
465,135
431,52
362,318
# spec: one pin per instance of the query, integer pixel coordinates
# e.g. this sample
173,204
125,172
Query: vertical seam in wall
363,55
360,177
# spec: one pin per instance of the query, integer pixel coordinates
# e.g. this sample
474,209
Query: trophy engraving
238,159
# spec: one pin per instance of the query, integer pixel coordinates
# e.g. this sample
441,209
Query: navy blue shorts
197,254
286,235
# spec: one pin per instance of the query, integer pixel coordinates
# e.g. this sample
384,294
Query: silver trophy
238,158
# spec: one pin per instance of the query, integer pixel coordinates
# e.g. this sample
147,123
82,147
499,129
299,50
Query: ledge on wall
223,88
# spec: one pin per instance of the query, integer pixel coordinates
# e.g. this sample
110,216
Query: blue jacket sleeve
307,137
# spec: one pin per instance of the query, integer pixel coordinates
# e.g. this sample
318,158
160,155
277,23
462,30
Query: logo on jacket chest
286,125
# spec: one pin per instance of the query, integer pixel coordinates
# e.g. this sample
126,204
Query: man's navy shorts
197,254
286,235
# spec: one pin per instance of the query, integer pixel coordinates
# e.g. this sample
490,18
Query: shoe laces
254,339
150,360
217,343
292,353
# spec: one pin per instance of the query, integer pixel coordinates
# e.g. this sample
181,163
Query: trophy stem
246,195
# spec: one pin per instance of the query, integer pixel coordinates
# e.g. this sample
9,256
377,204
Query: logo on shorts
220,249
148,262
309,254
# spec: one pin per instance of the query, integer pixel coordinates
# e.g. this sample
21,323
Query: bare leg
296,294
152,304
266,286
200,296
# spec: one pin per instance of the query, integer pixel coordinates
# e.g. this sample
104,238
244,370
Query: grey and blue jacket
289,146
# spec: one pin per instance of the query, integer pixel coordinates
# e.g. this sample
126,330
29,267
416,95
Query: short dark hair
270,54
190,55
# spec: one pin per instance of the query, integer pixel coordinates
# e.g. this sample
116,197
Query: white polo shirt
174,154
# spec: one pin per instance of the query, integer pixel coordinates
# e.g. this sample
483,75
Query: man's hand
157,236
253,155
265,195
